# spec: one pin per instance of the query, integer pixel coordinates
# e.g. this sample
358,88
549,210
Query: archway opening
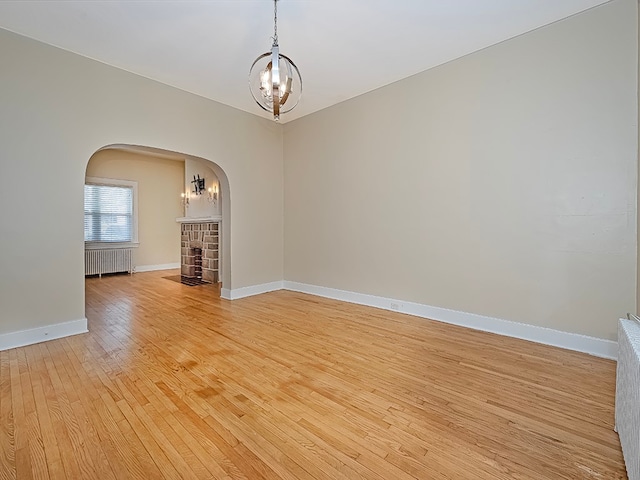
177,197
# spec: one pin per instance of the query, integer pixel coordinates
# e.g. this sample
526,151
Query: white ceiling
343,47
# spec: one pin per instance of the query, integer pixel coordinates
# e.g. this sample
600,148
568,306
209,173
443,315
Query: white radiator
112,260
628,395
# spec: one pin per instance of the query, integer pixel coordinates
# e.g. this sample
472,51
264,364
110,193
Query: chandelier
274,80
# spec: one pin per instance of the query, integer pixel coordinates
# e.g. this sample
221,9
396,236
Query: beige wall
160,182
56,110
501,184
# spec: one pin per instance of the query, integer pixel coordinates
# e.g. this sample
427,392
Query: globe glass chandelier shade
274,80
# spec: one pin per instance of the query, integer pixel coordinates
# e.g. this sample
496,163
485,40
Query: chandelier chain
275,22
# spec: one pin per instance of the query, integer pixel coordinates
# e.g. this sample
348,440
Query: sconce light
213,194
198,185
185,198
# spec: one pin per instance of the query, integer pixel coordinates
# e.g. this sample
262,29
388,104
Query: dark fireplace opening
192,271
197,263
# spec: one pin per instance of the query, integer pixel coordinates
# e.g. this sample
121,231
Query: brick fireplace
199,251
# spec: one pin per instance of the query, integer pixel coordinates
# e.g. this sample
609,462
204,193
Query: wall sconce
198,185
185,198
213,194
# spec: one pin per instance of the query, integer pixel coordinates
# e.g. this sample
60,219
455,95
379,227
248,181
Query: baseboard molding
153,268
243,292
570,341
42,334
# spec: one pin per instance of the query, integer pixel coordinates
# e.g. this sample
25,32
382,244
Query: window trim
113,182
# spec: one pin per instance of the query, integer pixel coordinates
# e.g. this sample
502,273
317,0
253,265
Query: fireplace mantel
212,219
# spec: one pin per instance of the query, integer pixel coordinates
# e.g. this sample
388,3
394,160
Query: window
109,211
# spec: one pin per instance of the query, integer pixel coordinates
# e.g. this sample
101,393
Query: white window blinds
108,213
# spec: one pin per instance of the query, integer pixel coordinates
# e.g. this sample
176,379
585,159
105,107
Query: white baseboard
42,334
153,268
570,341
243,292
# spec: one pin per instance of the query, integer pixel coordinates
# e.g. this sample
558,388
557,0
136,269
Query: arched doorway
161,184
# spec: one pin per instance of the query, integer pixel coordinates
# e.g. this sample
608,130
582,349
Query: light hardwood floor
173,382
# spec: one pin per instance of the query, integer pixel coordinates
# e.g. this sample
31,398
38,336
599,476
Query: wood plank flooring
173,382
